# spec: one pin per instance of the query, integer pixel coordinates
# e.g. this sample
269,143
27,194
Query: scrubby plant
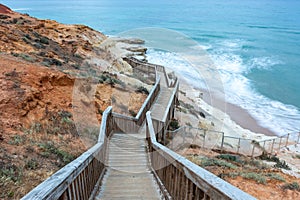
49,148
228,157
216,162
279,163
259,178
275,177
17,140
52,61
291,186
31,164
10,173
142,89
174,124
132,113
230,174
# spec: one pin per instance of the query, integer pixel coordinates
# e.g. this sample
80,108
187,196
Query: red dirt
272,189
38,115
4,9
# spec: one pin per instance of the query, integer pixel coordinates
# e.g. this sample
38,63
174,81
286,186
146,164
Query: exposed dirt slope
254,176
40,61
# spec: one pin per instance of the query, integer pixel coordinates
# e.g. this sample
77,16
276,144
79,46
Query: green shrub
275,177
279,163
132,113
49,148
142,89
228,157
255,176
10,173
31,164
52,61
174,124
282,165
291,186
17,140
44,40
216,162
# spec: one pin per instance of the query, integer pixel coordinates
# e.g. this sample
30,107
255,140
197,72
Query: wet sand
237,114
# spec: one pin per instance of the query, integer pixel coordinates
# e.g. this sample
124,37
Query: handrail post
253,151
203,145
272,146
298,139
280,142
239,145
287,140
222,142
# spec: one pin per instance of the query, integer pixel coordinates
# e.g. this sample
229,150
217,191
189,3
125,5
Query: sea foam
239,90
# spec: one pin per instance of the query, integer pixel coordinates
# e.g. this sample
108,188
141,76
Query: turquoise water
255,44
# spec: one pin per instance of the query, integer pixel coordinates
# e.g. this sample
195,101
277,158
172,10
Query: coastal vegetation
42,63
252,175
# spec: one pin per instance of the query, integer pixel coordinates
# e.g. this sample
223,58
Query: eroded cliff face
41,61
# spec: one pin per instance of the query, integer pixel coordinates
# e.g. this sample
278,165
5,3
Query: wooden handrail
80,178
154,68
182,178
129,124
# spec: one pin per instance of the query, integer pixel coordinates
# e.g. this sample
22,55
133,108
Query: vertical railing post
280,142
222,142
272,146
204,131
287,140
183,137
239,145
253,151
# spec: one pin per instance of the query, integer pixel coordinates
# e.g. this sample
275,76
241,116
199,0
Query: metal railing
209,139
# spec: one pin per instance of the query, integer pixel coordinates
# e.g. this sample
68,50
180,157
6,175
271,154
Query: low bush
216,162
142,89
275,177
174,124
31,164
259,178
291,186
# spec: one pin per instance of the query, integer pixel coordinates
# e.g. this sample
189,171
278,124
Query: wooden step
128,175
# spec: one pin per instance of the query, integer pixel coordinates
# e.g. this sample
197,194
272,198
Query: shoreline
237,114
223,116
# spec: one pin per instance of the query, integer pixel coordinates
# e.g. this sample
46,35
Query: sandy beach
237,114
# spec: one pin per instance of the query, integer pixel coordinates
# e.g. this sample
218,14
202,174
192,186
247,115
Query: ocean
254,44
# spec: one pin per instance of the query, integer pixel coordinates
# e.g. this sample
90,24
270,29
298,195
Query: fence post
280,142
203,145
183,137
287,140
222,142
272,146
239,145
253,151
298,139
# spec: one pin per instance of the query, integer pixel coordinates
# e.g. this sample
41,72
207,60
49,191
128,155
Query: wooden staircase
128,175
